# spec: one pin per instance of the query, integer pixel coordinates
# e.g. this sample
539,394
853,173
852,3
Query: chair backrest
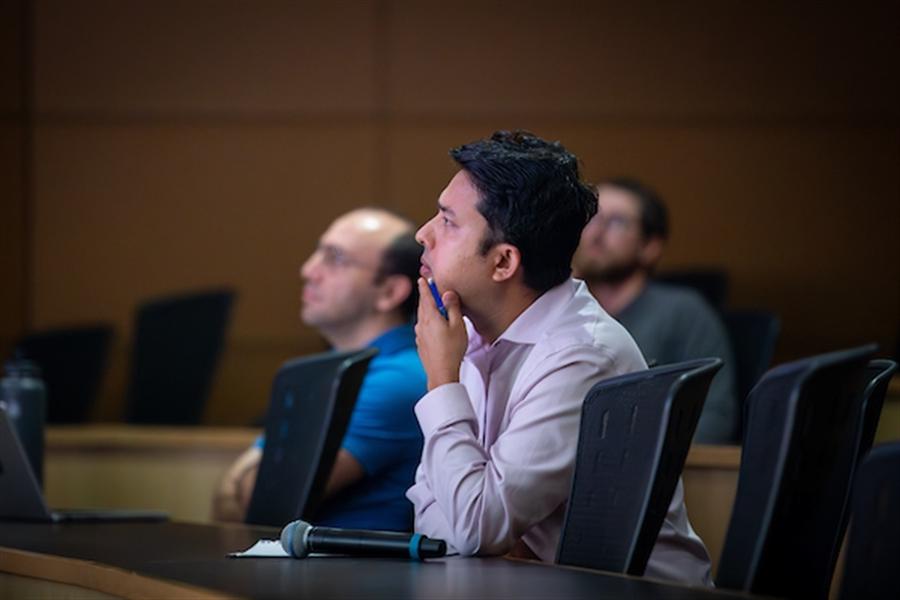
709,282
873,550
312,401
753,335
635,433
878,376
875,383
72,361
177,343
799,446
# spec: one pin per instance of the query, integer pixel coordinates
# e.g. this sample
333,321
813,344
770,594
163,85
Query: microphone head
293,538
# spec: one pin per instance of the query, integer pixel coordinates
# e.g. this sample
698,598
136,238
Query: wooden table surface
141,560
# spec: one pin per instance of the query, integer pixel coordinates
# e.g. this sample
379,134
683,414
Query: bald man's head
401,255
375,228
364,269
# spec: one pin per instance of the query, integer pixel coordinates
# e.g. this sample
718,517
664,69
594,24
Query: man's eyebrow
446,209
329,247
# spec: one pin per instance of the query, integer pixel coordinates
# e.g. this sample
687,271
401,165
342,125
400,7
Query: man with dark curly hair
509,367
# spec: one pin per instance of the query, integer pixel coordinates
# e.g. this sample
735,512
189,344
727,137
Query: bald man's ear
652,252
392,292
507,260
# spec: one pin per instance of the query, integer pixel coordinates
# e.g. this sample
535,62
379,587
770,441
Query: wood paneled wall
190,144
13,147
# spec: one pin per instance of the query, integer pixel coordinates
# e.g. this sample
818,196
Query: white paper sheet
262,548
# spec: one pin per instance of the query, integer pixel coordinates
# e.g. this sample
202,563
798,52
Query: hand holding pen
441,336
437,298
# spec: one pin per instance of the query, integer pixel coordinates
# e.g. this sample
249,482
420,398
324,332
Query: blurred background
153,147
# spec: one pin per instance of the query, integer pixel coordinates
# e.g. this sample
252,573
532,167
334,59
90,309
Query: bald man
359,291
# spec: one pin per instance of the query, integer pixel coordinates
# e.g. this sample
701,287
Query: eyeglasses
333,257
620,223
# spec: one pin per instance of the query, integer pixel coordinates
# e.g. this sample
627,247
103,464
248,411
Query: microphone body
299,538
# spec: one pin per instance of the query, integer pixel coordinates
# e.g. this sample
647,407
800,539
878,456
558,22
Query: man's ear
652,252
507,261
392,292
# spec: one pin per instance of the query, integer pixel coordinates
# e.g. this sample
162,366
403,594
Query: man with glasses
359,291
619,250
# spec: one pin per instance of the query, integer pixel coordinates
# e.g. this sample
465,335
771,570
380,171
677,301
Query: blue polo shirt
384,436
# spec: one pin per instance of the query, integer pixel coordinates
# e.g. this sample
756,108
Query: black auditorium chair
73,361
873,550
177,344
878,376
310,407
635,433
800,444
875,383
753,335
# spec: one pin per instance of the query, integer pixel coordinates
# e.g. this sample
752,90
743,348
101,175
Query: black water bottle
24,398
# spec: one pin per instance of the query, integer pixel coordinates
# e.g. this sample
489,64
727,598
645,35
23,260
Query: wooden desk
188,560
176,469
710,483
122,466
889,424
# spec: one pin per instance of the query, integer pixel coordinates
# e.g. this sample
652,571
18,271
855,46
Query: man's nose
308,268
423,235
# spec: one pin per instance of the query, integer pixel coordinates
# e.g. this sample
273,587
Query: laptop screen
21,497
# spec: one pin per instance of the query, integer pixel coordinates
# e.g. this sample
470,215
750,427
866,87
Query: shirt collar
532,323
395,339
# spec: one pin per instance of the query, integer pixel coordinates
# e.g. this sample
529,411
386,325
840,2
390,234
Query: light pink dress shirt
500,445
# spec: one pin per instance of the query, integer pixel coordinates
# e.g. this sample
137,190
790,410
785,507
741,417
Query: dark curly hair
532,197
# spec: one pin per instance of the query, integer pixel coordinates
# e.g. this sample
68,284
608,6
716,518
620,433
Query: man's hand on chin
441,342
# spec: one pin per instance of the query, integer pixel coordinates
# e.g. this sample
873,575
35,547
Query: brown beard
613,274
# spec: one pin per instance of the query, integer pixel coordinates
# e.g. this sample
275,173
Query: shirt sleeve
482,501
383,429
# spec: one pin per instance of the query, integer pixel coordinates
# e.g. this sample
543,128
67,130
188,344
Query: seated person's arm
382,438
233,493
236,487
482,501
345,472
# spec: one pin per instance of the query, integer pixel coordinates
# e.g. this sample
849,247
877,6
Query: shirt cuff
442,406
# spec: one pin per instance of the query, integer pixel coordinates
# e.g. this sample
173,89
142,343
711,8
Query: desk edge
98,577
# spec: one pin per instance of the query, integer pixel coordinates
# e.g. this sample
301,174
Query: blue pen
437,298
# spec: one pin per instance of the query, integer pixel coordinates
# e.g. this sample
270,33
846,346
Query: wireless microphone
299,538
